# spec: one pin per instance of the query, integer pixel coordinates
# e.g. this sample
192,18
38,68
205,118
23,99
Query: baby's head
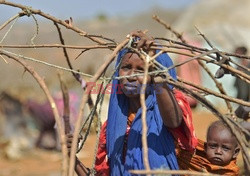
221,146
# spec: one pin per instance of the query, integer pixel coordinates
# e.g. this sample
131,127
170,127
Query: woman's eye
139,71
125,67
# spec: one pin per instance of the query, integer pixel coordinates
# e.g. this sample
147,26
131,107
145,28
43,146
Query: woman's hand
69,140
159,78
145,42
167,103
80,169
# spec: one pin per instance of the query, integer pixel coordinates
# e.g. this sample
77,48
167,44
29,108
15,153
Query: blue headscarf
161,149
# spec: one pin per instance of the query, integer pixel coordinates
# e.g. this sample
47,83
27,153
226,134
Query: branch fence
180,47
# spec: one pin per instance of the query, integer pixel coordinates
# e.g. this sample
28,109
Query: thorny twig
52,104
11,19
59,46
66,113
84,100
172,172
143,116
76,76
180,36
66,109
61,22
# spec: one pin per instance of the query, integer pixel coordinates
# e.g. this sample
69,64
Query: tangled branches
181,47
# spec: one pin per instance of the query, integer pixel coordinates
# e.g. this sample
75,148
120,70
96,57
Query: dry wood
202,55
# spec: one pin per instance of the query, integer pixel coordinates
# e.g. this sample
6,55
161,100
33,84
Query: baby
217,155
221,146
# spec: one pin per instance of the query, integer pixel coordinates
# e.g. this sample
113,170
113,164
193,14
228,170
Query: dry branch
180,36
60,126
143,116
202,55
84,100
172,172
11,19
75,75
59,46
66,109
28,10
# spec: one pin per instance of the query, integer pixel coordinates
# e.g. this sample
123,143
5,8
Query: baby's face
220,147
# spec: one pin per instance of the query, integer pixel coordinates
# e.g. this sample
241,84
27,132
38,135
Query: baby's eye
226,148
212,146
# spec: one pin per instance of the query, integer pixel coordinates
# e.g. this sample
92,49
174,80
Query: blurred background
225,23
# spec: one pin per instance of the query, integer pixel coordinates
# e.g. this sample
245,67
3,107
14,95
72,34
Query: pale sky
86,9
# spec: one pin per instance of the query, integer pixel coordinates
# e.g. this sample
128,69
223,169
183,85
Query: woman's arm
170,110
80,169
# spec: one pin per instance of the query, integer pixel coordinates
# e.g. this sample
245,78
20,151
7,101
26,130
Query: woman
120,146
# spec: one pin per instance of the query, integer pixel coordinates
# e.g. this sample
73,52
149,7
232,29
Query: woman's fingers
69,140
144,41
160,78
80,137
137,33
141,44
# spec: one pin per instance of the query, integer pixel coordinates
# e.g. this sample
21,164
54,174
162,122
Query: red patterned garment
184,135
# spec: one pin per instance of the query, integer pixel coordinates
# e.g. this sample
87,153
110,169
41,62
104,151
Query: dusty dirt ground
37,162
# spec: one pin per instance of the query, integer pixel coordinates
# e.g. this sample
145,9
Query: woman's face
132,64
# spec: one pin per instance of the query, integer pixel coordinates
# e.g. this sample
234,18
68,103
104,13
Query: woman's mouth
131,87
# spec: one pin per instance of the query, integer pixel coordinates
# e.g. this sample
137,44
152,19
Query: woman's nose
131,78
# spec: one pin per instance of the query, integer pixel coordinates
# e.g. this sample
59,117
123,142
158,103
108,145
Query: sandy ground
38,162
